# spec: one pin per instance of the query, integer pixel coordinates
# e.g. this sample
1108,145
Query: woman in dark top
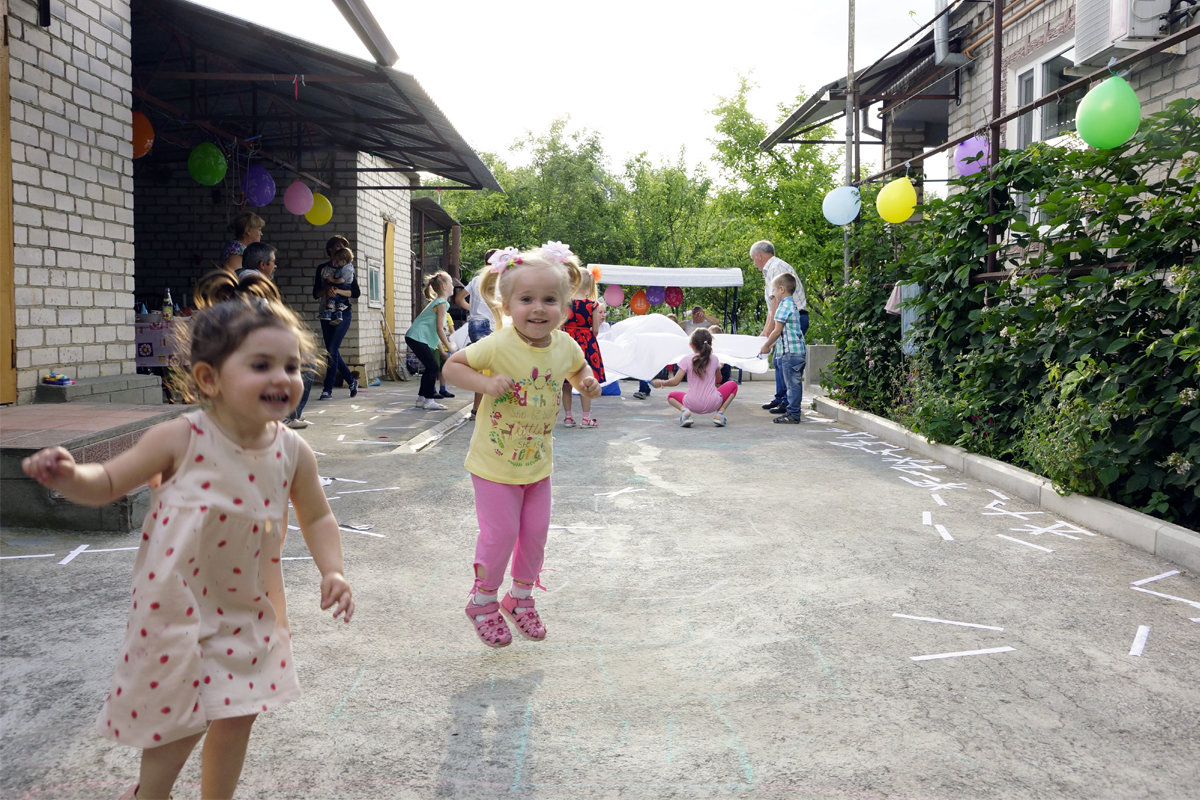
334,333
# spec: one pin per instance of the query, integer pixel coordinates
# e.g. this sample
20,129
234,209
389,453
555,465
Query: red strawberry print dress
208,635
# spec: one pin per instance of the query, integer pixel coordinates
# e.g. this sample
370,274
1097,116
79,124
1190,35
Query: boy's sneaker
685,419
444,393
524,616
297,424
719,420
773,404
779,409
353,388
787,419
641,395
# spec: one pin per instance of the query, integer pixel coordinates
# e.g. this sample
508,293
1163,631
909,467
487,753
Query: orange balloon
638,304
143,134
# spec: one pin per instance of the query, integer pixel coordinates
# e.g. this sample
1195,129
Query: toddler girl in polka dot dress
208,646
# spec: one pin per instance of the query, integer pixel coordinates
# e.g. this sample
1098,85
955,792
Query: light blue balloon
841,206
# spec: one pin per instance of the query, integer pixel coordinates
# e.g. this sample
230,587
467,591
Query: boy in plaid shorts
790,353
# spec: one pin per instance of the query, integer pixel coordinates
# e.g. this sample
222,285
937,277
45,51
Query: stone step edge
1165,539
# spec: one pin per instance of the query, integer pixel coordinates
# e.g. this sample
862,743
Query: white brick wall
71,96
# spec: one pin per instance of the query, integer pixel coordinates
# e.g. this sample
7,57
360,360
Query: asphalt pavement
760,610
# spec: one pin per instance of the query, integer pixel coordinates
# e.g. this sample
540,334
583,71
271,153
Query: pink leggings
514,519
726,390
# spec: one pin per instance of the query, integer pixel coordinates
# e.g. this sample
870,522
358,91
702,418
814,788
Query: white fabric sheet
639,347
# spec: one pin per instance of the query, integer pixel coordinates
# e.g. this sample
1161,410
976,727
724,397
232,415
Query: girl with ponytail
705,393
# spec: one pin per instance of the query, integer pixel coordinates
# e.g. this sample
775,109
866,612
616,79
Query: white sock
520,591
482,599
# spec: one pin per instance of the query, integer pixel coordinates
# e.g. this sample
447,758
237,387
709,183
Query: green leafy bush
1082,364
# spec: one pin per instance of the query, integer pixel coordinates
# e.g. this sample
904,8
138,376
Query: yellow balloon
321,211
897,201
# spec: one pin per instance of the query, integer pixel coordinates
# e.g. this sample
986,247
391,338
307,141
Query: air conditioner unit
1103,28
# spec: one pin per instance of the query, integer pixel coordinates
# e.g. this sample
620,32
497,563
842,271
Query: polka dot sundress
207,635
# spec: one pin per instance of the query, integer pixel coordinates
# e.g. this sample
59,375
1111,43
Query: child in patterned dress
584,316
521,368
208,646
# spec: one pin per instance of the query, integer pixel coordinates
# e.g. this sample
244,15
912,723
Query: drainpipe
850,116
941,39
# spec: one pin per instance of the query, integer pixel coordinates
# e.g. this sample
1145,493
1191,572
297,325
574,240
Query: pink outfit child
208,634
703,395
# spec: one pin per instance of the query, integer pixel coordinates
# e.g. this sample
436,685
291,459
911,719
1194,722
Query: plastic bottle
168,306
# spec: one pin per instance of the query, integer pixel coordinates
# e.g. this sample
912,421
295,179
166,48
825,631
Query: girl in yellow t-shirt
520,370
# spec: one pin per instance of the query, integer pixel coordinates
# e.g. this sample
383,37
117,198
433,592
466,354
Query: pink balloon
614,295
298,199
674,296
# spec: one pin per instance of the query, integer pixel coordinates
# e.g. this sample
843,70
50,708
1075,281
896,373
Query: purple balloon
298,198
258,185
656,295
969,150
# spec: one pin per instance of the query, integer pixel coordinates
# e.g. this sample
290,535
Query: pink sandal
589,422
492,630
524,616
568,421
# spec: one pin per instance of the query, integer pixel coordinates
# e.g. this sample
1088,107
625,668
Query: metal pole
851,114
997,67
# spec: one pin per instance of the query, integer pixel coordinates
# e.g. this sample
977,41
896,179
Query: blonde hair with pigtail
497,283
432,282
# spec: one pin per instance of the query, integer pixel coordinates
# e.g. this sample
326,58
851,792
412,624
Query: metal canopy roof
202,75
909,78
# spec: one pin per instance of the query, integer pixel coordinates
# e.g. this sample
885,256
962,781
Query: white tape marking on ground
364,491
643,439
988,651
348,480
296,558
361,533
1027,544
937,498
1139,640
1167,596
949,622
926,518
1194,619
945,533
1144,581
43,555
1002,497
341,437
626,490
71,555
576,527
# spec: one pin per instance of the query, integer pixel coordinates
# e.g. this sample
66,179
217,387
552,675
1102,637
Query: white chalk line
988,651
926,518
1001,496
937,498
1027,544
949,622
1144,581
83,548
364,491
1167,596
40,555
1139,640
945,533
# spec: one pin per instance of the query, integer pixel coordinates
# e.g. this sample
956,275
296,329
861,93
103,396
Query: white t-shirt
479,310
772,270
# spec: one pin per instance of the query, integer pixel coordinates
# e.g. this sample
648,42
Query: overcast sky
644,74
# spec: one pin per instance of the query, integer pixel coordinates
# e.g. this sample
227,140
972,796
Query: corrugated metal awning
202,75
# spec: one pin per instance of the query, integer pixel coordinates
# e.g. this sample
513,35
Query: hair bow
596,273
557,250
503,259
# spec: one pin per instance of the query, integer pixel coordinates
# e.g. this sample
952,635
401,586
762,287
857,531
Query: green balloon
206,163
1109,114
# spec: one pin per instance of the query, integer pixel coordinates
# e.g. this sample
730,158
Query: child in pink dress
703,371
208,646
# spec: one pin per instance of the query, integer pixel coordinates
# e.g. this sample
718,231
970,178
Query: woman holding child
335,333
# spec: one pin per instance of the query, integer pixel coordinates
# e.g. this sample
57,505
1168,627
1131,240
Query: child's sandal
524,616
589,422
492,630
568,422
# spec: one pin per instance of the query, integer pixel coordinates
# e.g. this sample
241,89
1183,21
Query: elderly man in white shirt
762,253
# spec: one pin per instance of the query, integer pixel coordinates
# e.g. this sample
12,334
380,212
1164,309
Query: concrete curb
1173,542
435,434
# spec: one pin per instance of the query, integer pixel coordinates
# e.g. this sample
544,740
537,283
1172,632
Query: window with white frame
1036,79
374,283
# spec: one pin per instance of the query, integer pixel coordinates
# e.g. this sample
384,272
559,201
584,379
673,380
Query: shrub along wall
1083,365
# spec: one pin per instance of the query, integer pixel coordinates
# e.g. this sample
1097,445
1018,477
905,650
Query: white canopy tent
669,276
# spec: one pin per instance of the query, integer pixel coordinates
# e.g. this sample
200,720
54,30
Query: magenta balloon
656,295
674,296
614,295
969,150
258,185
298,199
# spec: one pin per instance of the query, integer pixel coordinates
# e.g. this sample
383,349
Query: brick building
90,233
